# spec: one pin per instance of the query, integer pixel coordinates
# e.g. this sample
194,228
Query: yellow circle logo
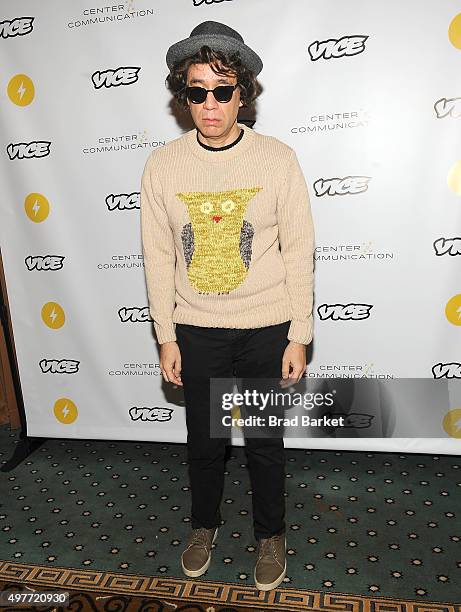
453,309
452,423
65,410
37,207
454,31
21,90
53,315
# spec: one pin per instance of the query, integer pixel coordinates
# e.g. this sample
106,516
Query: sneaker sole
203,569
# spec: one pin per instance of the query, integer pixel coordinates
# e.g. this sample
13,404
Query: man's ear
240,103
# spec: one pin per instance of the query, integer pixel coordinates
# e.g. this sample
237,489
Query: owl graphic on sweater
217,242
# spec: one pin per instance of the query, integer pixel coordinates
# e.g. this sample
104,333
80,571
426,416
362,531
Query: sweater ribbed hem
274,315
299,331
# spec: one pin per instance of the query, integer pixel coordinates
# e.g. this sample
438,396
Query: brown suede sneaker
197,556
271,565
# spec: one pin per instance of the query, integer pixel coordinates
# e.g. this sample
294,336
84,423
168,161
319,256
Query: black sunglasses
222,93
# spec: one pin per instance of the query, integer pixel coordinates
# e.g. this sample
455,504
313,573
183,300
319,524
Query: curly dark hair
229,64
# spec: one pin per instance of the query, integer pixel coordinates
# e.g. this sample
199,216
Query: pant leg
259,355
205,353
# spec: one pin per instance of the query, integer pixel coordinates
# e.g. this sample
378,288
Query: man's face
213,118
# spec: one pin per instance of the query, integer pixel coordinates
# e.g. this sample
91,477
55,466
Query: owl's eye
206,207
228,206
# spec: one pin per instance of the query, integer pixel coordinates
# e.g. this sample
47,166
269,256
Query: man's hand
294,356
170,362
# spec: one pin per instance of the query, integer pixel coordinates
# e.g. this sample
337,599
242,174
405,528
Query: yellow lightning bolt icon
36,207
65,410
21,90
53,315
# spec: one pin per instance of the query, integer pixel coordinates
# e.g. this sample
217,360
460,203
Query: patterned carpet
364,525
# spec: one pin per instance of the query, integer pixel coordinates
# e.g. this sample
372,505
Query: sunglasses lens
196,95
223,93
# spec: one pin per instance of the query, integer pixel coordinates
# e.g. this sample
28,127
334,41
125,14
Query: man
228,245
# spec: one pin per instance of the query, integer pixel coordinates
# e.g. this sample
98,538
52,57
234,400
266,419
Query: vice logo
59,366
123,201
123,75
447,370
452,246
134,314
341,186
344,312
19,26
448,107
28,150
337,47
199,2
44,262
150,414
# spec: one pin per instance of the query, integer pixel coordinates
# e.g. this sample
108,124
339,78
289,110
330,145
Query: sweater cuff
165,333
300,331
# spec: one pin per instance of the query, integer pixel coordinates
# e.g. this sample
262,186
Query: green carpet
383,524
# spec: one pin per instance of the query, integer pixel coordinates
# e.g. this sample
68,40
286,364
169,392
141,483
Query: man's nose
210,100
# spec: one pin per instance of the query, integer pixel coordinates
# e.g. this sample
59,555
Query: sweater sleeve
159,255
296,238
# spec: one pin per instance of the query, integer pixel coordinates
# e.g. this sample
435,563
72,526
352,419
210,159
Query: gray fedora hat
217,36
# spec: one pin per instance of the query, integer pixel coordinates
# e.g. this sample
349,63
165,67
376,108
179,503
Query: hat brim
227,44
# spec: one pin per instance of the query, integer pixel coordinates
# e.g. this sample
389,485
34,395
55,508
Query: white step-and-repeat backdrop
369,97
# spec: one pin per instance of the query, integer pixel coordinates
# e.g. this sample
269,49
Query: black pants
208,352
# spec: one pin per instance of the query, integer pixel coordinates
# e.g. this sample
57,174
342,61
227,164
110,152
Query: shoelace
199,537
267,548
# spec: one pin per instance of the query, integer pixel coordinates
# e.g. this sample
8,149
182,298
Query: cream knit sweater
211,225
